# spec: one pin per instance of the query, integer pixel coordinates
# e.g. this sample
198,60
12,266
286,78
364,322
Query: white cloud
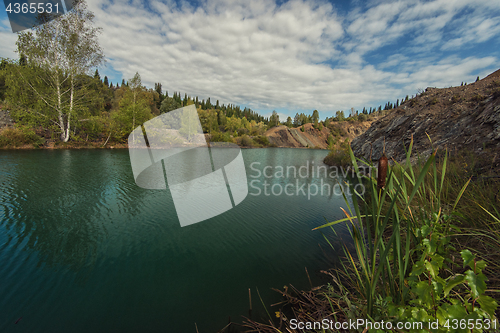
301,55
7,40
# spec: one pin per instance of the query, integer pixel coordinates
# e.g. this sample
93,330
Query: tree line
55,90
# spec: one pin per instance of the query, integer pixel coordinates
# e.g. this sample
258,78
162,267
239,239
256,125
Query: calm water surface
83,249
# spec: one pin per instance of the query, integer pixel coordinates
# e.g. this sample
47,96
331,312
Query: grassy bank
425,248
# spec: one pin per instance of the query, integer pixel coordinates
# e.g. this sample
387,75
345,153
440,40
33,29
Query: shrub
330,141
362,117
217,136
302,128
243,131
339,156
19,136
262,140
246,141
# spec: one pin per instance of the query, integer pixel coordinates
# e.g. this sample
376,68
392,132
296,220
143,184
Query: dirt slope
458,118
283,136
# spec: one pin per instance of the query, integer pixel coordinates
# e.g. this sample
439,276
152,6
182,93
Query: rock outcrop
457,118
282,136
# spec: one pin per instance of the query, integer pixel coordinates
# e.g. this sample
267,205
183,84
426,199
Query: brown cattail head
382,171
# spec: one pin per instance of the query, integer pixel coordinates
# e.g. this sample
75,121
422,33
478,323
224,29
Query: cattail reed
382,171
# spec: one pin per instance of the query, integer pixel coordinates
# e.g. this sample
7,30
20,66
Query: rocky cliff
457,118
282,136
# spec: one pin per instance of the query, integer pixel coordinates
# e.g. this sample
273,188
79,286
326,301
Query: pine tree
96,75
123,82
106,82
477,79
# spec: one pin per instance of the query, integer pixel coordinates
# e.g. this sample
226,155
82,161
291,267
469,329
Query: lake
84,249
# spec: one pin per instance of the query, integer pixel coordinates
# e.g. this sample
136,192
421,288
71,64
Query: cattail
382,171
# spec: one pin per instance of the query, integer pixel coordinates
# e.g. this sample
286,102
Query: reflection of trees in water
62,202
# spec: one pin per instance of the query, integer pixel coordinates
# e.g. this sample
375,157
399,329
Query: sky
298,55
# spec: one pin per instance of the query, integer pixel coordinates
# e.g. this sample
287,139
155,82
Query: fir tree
106,82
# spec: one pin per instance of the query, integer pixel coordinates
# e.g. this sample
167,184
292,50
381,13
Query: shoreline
117,146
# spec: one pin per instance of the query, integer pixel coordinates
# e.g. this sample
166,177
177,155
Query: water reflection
59,203
83,248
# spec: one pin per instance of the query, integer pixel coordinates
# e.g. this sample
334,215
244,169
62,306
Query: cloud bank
300,55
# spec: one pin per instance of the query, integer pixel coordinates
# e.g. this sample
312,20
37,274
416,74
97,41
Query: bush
20,136
330,141
220,137
243,131
362,117
262,140
339,156
302,128
246,141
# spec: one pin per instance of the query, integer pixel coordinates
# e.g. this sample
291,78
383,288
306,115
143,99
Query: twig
107,139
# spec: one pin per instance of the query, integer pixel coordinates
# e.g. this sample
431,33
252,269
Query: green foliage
134,108
339,156
233,124
19,136
339,116
274,120
246,141
302,129
217,136
169,104
59,54
330,141
402,269
262,140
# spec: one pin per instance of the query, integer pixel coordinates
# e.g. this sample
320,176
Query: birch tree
62,51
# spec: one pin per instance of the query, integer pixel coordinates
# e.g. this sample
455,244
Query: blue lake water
84,249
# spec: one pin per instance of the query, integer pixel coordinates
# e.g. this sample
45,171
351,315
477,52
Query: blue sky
295,56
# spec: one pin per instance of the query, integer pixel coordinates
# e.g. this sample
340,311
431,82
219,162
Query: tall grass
410,257
403,260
